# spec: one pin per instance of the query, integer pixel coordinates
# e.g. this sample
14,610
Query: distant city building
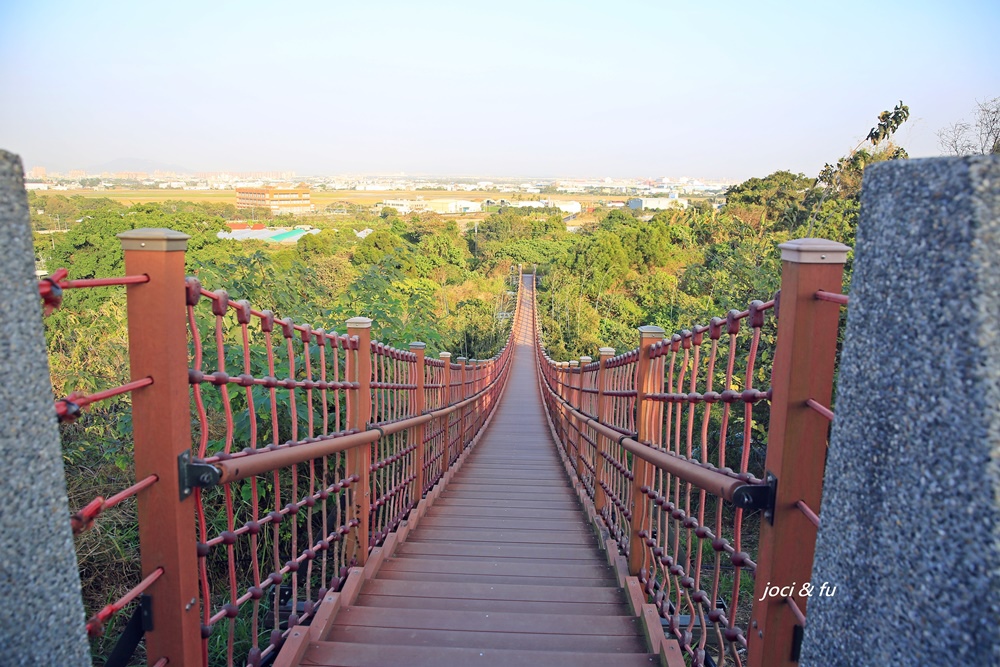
280,201
404,206
657,203
454,206
37,172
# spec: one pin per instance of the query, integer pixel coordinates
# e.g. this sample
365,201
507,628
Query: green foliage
888,123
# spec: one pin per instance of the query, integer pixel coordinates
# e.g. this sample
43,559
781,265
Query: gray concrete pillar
910,532
41,617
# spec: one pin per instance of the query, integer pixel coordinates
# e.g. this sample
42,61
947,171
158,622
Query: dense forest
421,277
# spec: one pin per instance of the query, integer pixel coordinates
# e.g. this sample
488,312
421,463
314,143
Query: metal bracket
138,625
191,474
758,496
798,633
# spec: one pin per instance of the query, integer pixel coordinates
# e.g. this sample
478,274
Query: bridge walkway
503,569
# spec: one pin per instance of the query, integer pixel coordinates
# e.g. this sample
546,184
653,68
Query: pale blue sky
571,88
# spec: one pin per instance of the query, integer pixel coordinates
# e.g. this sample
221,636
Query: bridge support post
359,459
161,426
804,359
911,509
419,405
648,415
42,614
603,416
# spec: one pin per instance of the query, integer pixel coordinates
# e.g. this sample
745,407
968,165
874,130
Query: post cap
445,355
814,251
573,363
650,331
585,360
607,351
359,323
417,345
158,239
461,359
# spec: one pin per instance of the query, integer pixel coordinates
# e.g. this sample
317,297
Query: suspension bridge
309,497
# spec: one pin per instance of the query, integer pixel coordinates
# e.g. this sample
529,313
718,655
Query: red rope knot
699,334
192,290
68,409
686,339
733,322
84,519
220,304
51,291
756,314
266,321
243,311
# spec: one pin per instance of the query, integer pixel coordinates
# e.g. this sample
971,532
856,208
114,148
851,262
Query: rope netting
702,408
272,545
285,521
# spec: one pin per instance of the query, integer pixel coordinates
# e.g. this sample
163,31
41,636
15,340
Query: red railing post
161,426
418,406
463,393
603,416
359,459
647,415
581,468
563,375
575,377
448,400
804,360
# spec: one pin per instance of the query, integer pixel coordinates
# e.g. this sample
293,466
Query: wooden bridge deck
502,569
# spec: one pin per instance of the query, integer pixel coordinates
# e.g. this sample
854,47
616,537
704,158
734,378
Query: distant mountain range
137,164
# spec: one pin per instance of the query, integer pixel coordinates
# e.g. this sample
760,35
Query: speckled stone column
910,531
41,614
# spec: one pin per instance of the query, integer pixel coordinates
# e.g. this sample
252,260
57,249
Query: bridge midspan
498,565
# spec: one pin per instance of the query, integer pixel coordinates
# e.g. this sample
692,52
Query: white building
657,203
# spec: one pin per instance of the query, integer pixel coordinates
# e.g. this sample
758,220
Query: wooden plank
324,617
507,512
636,598
519,523
497,567
459,550
532,523
362,655
514,490
492,579
498,622
652,628
567,503
482,591
671,654
508,536
513,606
294,647
613,644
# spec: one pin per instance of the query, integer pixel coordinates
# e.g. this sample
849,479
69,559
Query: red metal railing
309,448
682,484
